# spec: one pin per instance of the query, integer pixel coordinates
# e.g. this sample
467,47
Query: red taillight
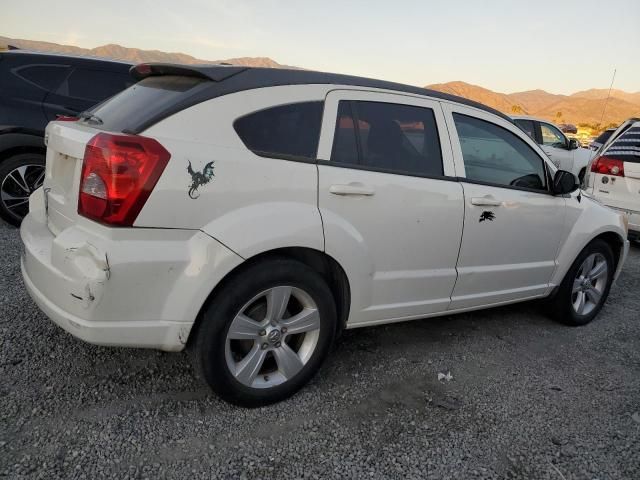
608,166
118,175
66,118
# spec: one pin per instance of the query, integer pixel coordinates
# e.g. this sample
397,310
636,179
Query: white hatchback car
251,214
614,177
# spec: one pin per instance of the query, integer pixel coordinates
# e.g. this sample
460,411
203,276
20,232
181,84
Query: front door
513,225
391,206
556,146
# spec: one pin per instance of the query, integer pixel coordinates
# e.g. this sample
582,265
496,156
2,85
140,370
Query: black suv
36,88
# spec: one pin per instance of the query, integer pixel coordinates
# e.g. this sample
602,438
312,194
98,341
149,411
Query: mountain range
584,107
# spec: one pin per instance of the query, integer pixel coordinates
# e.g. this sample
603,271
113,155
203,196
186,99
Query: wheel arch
14,142
324,264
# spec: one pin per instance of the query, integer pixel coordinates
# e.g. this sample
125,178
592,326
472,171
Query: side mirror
564,182
573,144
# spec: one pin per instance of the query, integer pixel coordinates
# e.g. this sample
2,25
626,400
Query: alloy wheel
18,185
272,337
589,284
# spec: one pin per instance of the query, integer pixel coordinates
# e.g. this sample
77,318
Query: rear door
512,225
391,207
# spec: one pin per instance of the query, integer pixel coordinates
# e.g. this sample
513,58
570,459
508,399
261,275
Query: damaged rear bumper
125,287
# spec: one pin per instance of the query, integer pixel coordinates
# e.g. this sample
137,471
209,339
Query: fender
14,137
585,221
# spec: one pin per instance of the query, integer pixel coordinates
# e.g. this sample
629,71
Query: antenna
607,100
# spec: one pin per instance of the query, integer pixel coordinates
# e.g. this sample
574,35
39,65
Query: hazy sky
561,46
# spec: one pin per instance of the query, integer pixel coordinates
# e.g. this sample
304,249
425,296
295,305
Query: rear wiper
90,117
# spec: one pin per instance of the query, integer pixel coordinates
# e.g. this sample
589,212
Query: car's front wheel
586,285
266,333
20,175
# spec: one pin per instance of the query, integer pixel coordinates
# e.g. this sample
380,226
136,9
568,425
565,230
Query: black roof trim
258,77
224,80
77,59
216,73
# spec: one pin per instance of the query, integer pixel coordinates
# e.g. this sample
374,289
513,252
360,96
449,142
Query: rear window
604,136
145,100
286,131
627,146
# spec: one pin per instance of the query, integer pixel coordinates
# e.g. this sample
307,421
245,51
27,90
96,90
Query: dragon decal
486,215
199,179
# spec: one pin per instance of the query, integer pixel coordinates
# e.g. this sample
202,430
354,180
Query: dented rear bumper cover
143,288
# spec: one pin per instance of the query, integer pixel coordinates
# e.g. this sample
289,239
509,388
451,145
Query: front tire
586,285
266,333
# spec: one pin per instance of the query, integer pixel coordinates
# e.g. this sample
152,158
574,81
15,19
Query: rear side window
47,77
387,136
145,100
604,136
94,85
494,155
286,131
527,126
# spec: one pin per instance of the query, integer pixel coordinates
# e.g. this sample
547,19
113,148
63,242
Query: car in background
601,139
36,88
614,177
565,153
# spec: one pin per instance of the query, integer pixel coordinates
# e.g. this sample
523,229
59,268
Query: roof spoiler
213,72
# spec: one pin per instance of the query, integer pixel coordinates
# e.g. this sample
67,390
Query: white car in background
565,153
251,214
614,176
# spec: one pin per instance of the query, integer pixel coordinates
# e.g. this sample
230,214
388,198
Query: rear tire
20,175
266,333
585,287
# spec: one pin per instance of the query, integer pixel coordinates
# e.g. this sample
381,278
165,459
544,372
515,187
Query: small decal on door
487,215
199,179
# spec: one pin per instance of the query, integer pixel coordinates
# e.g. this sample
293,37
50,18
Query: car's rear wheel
266,333
586,285
20,175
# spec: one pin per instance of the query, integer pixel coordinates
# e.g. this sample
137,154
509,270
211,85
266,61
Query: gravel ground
528,399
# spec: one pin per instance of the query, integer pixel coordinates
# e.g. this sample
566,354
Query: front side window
286,131
494,155
551,136
387,136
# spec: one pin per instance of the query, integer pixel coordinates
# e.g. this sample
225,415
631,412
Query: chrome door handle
351,189
485,202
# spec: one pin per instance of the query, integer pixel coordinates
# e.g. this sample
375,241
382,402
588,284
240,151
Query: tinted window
495,155
527,126
145,100
627,146
551,136
94,85
47,77
604,136
284,131
400,138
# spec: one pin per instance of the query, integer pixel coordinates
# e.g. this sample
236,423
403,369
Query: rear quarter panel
252,203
